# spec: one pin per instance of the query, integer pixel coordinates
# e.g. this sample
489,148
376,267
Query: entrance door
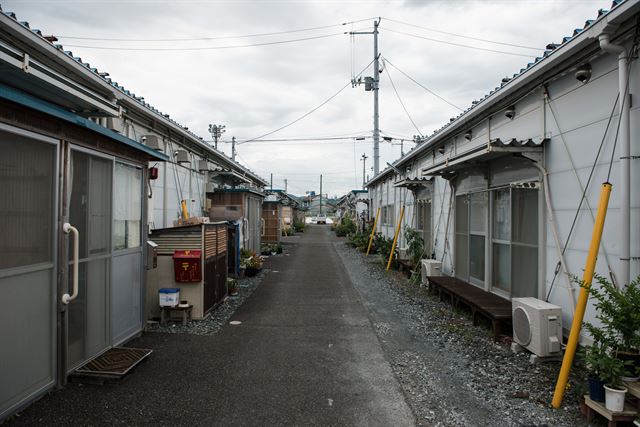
126,283
28,218
89,210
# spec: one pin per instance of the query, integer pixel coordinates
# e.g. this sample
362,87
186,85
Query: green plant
232,285
346,227
246,253
619,313
415,245
298,226
383,247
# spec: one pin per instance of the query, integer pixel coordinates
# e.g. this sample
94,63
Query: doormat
114,363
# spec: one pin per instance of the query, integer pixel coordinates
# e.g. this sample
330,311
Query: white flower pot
614,399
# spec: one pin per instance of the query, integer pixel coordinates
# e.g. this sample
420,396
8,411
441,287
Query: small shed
207,287
271,224
241,206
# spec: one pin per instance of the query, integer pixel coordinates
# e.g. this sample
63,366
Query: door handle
68,228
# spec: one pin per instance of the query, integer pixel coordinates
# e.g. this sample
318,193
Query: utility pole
233,148
285,185
363,159
216,132
271,185
372,84
320,194
376,80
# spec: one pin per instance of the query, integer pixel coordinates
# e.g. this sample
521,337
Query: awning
413,183
229,176
494,149
45,107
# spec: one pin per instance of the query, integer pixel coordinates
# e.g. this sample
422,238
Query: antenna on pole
216,132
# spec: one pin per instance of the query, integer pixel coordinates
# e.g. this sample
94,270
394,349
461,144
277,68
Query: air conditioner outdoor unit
203,165
430,267
537,326
153,142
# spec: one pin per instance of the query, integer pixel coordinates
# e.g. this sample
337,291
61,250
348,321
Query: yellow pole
373,231
183,206
581,305
395,238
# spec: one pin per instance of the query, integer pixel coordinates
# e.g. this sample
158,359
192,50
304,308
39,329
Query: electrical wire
326,101
459,44
215,37
421,85
463,36
400,100
165,49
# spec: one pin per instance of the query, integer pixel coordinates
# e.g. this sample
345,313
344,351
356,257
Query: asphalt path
305,353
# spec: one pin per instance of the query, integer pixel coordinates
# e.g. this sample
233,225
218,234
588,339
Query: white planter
614,399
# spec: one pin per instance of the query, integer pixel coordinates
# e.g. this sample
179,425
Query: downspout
625,159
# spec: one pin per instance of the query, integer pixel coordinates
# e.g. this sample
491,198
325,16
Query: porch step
115,363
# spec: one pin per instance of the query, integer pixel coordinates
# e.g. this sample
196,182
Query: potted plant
615,392
593,357
253,265
232,286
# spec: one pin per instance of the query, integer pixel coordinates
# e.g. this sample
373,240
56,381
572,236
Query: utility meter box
152,255
187,266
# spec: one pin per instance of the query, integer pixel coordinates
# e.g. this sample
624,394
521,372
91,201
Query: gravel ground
452,372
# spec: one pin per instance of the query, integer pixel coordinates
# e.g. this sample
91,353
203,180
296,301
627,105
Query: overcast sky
254,90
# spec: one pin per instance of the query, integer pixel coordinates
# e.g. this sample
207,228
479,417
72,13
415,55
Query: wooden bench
480,302
166,313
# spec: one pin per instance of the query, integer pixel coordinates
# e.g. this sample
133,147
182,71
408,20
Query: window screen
127,213
27,170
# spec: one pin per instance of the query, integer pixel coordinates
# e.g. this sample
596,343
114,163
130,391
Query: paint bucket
614,399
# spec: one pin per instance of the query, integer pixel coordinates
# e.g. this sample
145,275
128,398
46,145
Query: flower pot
596,390
614,399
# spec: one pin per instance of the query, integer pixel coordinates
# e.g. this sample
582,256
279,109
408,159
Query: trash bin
187,266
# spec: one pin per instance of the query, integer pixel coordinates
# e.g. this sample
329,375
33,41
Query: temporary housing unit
200,250
500,187
73,221
243,207
354,205
289,209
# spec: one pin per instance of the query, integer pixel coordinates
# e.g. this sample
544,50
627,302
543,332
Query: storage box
169,297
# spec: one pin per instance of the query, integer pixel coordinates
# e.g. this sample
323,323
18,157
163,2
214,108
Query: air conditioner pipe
554,230
625,156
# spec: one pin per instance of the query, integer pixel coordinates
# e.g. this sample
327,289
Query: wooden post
373,231
395,238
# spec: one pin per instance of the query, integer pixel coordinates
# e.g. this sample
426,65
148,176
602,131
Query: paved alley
305,354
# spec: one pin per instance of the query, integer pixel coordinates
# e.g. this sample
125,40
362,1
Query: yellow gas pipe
581,305
183,206
373,231
395,238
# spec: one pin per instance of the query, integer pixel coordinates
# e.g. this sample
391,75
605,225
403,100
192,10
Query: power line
460,44
214,37
400,99
421,85
463,36
307,113
164,49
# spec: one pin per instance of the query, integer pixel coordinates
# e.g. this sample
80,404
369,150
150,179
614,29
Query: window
423,222
127,216
471,229
27,171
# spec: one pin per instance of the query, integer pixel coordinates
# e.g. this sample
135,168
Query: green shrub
346,227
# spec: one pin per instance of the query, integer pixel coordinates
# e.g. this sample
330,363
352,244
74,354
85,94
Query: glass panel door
501,239
477,233
462,238
90,195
